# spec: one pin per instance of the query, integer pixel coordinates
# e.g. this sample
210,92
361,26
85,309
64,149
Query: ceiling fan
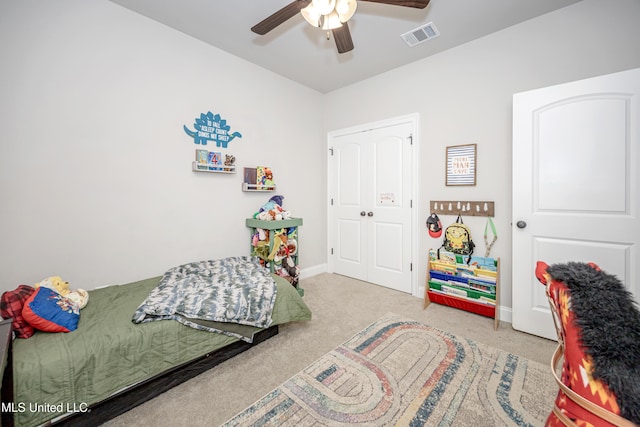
330,15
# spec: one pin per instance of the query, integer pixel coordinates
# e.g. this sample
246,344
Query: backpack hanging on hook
457,239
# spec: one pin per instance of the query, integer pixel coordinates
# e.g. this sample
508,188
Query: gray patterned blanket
235,289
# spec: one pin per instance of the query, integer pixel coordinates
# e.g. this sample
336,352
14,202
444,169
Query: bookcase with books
470,285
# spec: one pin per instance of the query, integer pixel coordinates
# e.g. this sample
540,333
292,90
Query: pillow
48,311
11,305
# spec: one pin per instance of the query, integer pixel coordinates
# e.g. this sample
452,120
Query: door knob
370,214
521,224
363,213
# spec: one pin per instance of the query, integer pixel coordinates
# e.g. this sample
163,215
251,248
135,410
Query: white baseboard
312,271
506,314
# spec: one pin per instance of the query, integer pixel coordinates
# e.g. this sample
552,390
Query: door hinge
331,202
411,266
411,138
331,149
331,251
411,203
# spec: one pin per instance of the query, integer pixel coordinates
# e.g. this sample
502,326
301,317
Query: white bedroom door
576,161
370,212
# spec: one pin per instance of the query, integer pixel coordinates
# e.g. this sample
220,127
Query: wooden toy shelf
465,287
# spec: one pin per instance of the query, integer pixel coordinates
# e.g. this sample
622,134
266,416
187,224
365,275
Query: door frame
413,119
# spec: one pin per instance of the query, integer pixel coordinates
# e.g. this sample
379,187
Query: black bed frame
144,391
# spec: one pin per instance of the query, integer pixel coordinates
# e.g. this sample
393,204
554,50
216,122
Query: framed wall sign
461,165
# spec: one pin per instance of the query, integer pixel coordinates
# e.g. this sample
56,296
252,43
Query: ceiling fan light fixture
324,7
311,15
330,15
346,9
331,21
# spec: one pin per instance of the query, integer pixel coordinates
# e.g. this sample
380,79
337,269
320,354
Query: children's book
482,286
202,156
202,159
215,161
264,177
447,257
250,176
484,263
260,175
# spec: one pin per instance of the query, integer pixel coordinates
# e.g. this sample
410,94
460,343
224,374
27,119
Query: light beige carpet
341,307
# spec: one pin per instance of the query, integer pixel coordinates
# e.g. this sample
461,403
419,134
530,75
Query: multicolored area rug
404,373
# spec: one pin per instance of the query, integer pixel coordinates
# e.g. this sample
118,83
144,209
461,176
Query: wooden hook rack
463,207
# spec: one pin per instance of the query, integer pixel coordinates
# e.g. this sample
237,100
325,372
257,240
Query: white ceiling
302,53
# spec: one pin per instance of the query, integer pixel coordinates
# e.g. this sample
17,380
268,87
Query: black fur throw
609,323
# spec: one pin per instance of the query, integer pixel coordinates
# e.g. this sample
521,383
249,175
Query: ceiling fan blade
418,4
281,16
342,36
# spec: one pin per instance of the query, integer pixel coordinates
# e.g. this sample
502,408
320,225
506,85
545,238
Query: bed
111,364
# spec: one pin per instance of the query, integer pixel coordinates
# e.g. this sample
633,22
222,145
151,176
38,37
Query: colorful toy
272,203
55,283
229,162
273,210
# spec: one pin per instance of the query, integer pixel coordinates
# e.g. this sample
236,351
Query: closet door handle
363,213
370,214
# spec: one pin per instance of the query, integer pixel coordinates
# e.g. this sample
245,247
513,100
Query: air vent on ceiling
421,34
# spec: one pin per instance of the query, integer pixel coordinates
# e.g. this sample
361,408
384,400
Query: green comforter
108,352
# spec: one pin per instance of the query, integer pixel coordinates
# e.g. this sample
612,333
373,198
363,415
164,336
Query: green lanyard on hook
495,236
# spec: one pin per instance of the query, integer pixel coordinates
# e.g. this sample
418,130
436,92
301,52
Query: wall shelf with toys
276,244
473,287
212,161
258,179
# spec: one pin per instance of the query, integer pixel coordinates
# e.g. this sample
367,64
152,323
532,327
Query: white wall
464,95
95,178
96,183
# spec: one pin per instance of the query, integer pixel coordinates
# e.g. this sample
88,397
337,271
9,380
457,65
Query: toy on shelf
273,210
229,163
55,283
48,306
276,244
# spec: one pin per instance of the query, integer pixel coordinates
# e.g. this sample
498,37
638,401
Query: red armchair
598,326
